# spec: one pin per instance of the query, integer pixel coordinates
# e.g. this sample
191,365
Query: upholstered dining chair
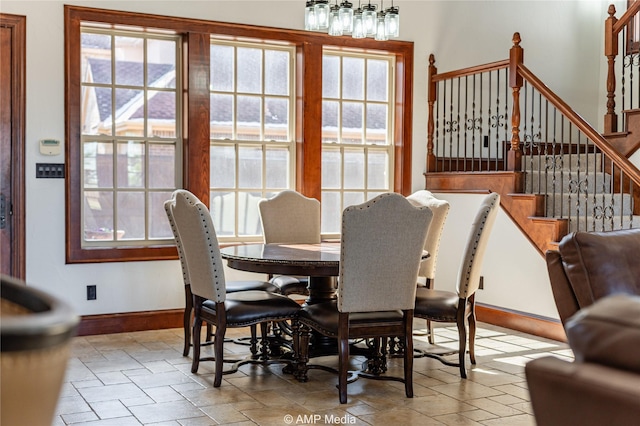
440,210
290,217
231,286
458,307
212,304
382,243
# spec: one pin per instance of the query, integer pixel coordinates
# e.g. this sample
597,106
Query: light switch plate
50,170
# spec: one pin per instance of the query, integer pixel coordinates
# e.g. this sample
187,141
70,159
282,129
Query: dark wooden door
12,71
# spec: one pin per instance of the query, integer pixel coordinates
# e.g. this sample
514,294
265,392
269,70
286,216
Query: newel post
611,51
516,57
431,96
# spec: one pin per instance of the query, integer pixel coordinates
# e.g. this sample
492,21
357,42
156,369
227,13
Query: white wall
515,274
563,45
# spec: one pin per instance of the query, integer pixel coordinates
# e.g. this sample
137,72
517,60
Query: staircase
555,173
583,195
554,193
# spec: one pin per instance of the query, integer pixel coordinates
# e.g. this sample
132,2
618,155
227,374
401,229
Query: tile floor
142,378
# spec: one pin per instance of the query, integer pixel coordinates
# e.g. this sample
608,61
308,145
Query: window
131,140
231,112
252,145
357,147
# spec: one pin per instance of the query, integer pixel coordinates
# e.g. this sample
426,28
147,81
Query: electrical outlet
485,141
481,283
92,292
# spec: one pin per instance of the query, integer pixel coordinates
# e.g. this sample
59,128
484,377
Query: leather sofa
595,278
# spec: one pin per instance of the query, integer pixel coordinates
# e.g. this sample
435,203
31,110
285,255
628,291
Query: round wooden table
320,262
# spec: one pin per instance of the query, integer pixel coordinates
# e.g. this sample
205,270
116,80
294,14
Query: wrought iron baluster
458,128
481,150
473,124
466,104
507,140
563,149
497,117
539,135
602,207
449,128
490,124
569,177
436,141
632,205
551,164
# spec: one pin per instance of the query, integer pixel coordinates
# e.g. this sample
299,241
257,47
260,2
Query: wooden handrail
624,19
620,161
492,66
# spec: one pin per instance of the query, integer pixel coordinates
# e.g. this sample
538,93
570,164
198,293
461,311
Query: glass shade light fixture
335,22
381,27
322,13
358,25
370,18
340,18
310,18
392,21
346,16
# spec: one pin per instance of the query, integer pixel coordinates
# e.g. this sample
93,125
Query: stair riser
568,204
549,183
562,162
598,225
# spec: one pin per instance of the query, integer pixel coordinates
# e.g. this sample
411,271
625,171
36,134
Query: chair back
381,247
290,217
176,235
196,237
591,265
470,268
440,210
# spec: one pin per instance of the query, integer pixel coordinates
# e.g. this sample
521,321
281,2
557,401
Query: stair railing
623,32
582,177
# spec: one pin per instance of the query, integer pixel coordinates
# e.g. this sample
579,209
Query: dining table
320,262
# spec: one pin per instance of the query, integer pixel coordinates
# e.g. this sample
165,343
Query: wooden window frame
195,91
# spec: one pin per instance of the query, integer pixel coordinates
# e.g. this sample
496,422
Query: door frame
17,25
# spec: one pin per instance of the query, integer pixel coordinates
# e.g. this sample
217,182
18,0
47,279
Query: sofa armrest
567,393
563,293
608,333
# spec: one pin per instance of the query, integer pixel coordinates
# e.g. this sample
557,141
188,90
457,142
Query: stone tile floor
142,378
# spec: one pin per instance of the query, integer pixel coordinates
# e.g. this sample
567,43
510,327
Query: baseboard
130,321
156,320
541,327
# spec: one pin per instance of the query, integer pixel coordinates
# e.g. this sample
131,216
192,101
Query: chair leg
462,337
197,328
253,343
209,332
264,341
408,356
218,350
186,319
431,337
343,356
472,335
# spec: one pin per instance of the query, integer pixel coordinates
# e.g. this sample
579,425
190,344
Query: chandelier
341,19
